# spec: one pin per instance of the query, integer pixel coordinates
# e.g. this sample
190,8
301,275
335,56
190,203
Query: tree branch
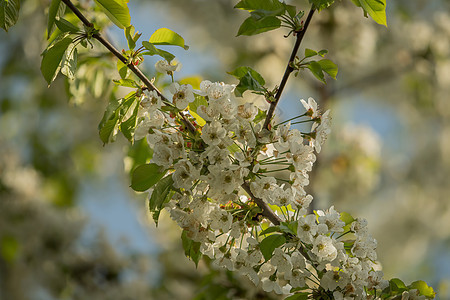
123,59
289,69
266,211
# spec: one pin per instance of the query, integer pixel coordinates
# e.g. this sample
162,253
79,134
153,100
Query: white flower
162,156
184,175
217,156
321,131
150,101
220,220
332,219
262,186
282,197
163,66
147,120
301,156
247,111
213,133
412,295
324,249
311,107
281,260
182,95
307,228
332,279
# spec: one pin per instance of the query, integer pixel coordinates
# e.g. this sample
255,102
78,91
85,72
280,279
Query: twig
123,59
289,69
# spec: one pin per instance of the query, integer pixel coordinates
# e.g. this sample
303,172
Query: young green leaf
56,9
152,50
249,79
268,245
250,5
191,248
145,176
299,296
165,36
69,63
131,36
329,67
117,11
193,106
316,70
127,127
252,26
310,53
376,9
321,4
270,230
160,195
9,13
66,26
122,69
126,83
423,288
52,57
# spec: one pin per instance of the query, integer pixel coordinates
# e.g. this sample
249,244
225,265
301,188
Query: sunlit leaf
268,245
165,36
117,11
252,26
376,9
146,176
52,58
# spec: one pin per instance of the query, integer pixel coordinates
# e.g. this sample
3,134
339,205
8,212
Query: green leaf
290,227
310,53
316,70
270,230
122,69
299,296
126,83
329,67
193,106
250,5
69,63
152,50
132,37
145,176
260,116
356,2
117,11
52,58
127,127
321,4
252,26
56,9
249,79
268,245
66,26
291,10
9,248
397,285
191,248
9,13
322,52
376,9
160,195
346,218
113,116
165,36
423,288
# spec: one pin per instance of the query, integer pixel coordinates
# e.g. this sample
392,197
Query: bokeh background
71,228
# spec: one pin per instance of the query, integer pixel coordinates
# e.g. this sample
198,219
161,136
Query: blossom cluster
226,166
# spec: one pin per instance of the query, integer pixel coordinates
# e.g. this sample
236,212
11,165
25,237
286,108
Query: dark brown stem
123,59
288,70
266,211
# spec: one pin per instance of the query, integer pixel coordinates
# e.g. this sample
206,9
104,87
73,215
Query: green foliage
268,5
114,115
69,62
52,57
268,245
263,15
9,13
131,37
146,176
160,195
260,116
298,296
193,106
318,68
252,26
66,26
152,50
165,36
249,79
117,11
289,227
321,4
123,69
56,9
269,230
375,8
191,248
423,288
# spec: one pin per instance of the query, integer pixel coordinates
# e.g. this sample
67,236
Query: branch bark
289,69
123,59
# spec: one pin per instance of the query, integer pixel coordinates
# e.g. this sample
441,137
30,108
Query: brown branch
289,69
266,211
123,59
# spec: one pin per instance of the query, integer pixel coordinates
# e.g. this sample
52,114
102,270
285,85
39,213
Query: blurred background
70,226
